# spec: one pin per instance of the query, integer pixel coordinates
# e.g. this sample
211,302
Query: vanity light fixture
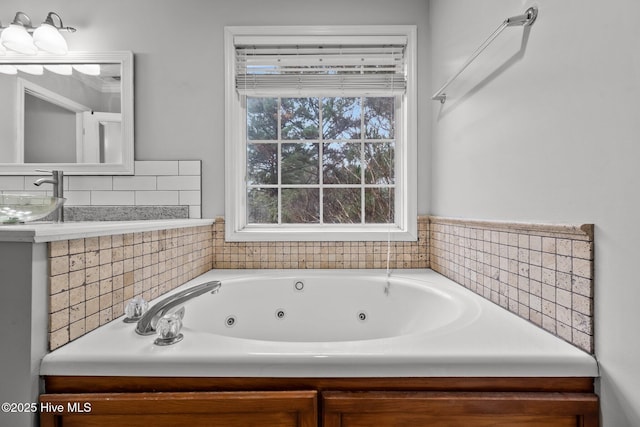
16,38
46,37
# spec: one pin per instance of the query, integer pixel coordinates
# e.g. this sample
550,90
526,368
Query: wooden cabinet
415,409
327,402
201,409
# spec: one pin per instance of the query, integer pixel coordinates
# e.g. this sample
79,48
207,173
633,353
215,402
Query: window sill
321,234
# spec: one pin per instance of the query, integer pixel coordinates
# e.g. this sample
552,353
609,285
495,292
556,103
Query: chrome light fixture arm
61,27
23,19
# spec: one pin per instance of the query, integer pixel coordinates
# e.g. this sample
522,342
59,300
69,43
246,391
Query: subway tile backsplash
166,183
158,167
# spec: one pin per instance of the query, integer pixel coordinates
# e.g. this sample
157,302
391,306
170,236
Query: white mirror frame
126,167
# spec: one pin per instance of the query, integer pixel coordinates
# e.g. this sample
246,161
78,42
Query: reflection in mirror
72,112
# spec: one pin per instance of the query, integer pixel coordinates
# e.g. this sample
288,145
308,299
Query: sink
18,208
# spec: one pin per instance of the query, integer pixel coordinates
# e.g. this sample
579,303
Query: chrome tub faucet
147,324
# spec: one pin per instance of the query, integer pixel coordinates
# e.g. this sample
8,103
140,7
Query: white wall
179,73
550,134
8,120
23,273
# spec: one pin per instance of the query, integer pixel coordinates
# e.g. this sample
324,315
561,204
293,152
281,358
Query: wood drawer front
416,409
202,409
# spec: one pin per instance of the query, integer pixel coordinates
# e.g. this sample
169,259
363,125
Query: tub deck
495,344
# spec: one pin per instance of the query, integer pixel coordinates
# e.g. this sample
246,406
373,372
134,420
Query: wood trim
87,384
212,406
429,407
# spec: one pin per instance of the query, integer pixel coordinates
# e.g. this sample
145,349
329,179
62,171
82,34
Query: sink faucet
57,179
147,324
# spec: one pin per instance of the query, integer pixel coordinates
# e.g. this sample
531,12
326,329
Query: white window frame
405,228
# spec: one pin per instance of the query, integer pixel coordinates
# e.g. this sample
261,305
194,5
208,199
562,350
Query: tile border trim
580,231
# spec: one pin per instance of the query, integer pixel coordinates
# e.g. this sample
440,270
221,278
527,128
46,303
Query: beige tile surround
92,278
329,255
543,273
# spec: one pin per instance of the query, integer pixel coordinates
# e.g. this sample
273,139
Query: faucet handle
169,327
135,309
179,312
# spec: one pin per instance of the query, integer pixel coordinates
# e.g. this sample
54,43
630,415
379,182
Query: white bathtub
339,323
329,307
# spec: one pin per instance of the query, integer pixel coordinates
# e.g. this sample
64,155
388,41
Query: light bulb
15,37
47,37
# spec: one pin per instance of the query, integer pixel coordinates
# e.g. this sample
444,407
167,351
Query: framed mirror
71,112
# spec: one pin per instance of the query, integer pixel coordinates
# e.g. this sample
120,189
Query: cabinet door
202,409
416,409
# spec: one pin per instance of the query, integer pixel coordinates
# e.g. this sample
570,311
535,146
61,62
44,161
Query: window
320,133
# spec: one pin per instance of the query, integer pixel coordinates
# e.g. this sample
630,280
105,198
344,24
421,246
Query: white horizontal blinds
315,66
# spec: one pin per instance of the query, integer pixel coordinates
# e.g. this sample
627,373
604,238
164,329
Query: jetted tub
322,307
330,323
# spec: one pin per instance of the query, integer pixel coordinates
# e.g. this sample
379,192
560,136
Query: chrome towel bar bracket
526,19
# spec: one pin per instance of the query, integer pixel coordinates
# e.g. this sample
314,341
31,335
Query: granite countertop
39,232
